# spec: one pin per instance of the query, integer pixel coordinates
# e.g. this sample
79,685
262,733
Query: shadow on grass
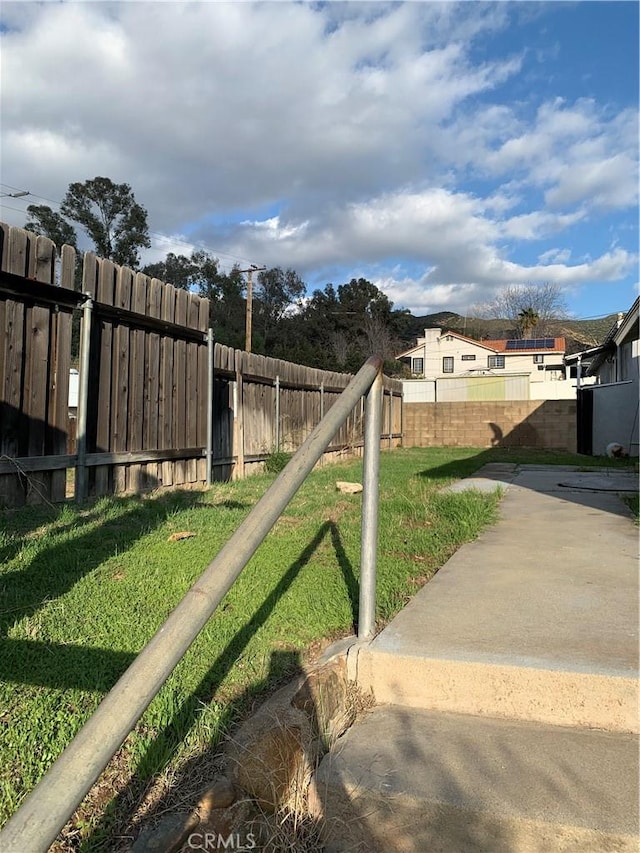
25,522
53,571
283,666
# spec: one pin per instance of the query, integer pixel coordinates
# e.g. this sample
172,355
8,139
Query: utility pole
249,313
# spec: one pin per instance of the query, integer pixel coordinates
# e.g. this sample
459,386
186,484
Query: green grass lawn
82,591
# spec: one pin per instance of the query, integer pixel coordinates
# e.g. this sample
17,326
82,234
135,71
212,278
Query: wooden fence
273,405
146,421
142,421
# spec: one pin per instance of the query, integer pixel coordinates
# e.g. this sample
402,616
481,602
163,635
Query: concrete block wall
544,424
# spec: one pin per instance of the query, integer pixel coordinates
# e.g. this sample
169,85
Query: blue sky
443,150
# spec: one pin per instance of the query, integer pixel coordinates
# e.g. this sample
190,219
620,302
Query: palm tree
528,319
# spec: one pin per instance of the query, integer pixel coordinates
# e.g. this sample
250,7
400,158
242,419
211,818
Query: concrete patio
507,689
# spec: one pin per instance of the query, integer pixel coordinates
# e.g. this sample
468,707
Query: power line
9,207
156,234
9,186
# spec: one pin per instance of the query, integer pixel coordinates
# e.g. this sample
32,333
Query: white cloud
538,224
423,295
559,255
320,136
206,106
448,236
608,182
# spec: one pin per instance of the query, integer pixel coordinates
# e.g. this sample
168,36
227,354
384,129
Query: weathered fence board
120,375
12,487
58,414
34,363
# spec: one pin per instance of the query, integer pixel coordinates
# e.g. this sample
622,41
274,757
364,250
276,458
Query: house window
447,364
495,361
418,365
538,359
468,358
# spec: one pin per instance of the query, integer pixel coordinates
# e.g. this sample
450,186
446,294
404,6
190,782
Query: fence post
209,406
238,420
81,485
390,419
324,455
277,414
369,546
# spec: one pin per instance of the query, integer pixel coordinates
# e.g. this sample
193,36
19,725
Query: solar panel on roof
531,343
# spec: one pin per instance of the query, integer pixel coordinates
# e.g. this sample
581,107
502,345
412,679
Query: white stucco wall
524,363
496,386
553,389
419,390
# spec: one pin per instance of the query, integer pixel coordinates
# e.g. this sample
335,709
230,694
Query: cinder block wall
545,424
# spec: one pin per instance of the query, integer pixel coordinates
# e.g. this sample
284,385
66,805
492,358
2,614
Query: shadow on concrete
431,783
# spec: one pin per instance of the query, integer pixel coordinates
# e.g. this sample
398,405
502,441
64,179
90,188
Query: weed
633,503
276,461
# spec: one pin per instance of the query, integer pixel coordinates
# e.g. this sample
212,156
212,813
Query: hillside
580,334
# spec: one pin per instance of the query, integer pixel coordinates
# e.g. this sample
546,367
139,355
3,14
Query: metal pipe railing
369,536
45,811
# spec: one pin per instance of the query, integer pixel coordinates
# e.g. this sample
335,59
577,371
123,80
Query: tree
362,298
47,223
339,343
528,320
545,302
338,328
379,338
112,218
276,291
178,270
225,292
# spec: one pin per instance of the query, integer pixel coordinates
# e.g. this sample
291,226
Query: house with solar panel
461,368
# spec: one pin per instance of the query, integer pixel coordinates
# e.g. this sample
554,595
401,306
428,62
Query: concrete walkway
507,689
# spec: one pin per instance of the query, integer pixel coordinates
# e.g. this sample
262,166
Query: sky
442,150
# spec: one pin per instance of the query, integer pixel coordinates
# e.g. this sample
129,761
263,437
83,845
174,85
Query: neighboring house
440,354
608,410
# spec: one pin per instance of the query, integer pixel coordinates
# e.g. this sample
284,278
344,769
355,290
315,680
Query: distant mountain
580,334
